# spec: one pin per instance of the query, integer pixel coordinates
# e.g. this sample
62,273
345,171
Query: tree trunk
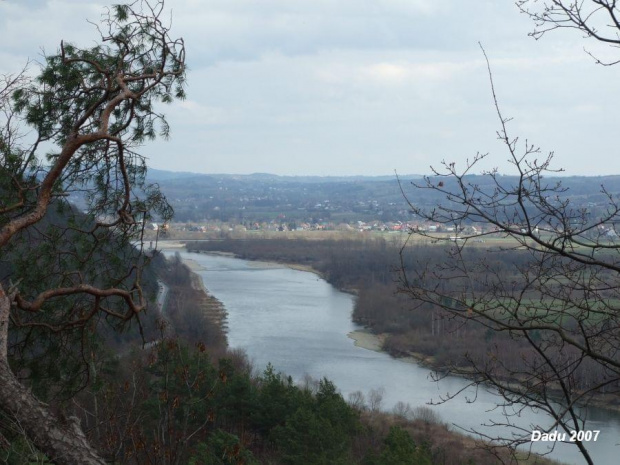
61,440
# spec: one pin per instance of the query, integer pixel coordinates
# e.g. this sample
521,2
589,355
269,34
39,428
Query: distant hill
265,197
162,175
156,175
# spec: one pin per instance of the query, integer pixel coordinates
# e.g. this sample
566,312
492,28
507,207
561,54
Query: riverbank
191,312
360,268
293,266
295,324
366,339
213,309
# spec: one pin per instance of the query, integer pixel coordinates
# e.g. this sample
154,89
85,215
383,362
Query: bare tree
87,111
547,283
596,19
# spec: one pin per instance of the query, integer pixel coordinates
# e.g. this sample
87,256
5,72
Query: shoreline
213,309
181,246
366,339
293,266
193,265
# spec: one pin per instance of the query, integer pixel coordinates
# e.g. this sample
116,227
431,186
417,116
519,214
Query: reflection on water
299,323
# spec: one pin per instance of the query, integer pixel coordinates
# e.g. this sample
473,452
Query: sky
357,87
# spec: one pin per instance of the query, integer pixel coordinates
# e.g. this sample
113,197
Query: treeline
186,408
175,404
346,263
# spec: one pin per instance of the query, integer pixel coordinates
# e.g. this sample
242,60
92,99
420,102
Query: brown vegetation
192,314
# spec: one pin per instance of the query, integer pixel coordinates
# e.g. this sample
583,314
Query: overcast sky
347,87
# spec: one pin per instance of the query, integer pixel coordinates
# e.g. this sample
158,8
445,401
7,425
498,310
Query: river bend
299,323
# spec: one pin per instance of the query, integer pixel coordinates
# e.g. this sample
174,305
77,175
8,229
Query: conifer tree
85,113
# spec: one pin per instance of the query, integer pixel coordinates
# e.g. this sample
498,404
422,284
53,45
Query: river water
299,323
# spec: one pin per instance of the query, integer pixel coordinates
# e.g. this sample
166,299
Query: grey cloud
355,86
242,30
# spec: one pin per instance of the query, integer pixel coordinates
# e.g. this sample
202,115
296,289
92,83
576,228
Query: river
299,323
